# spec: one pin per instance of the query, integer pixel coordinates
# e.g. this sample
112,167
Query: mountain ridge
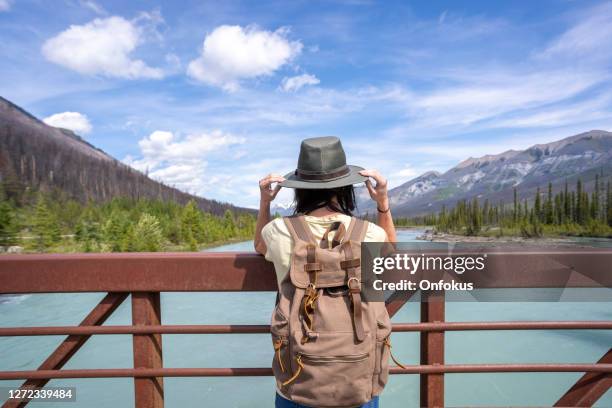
39,156
494,176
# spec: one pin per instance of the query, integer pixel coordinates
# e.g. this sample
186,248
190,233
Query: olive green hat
322,165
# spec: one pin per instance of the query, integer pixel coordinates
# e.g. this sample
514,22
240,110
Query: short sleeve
375,233
278,245
269,234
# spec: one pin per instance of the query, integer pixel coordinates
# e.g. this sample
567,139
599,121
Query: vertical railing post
146,310
432,349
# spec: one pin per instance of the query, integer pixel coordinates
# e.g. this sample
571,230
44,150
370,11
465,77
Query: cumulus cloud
233,53
295,83
5,5
75,121
181,161
101,47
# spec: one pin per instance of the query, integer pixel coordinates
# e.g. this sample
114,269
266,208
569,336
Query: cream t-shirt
279,243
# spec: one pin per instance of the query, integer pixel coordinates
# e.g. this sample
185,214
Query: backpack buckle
354,285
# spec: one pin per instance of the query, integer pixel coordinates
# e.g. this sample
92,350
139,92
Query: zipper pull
298,360
387,342
277,347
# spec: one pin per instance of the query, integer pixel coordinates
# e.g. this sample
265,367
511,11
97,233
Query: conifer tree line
570,211
50,222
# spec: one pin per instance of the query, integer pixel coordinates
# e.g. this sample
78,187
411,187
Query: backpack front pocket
326,375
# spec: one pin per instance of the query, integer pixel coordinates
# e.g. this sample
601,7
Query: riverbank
71,247
434,236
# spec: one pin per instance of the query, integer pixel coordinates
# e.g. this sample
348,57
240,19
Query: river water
255,350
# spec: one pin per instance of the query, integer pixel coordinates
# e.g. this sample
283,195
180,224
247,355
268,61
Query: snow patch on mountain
557,160
467,181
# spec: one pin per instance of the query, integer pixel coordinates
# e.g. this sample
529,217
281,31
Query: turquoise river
255,350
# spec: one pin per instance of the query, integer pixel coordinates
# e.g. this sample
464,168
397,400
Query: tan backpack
331,347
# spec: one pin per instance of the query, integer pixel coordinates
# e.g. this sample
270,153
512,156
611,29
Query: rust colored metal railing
144,276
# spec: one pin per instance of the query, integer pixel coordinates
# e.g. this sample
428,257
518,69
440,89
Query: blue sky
211,96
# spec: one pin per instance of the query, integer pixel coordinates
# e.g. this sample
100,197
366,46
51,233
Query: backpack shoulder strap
356,232
357,229
298,228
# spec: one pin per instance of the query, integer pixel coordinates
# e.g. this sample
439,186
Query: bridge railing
145,275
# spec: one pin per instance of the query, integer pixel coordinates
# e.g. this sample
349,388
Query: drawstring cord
298,360
277,347
387,342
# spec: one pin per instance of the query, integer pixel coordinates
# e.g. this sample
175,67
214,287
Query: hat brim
353,177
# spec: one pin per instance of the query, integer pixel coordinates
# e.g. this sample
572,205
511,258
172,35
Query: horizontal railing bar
153,329
227,271
254,329
501,368
258,371
512,325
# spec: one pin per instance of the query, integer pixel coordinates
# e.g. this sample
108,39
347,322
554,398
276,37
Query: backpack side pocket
279,328
381,364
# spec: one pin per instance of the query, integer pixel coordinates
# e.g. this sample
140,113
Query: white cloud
295,83
181,161
589,38
442,17
93,6
407,171
580,112
232,53
75,121
100,47
486,95
5,5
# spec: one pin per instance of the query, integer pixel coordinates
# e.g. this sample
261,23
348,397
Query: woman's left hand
378,192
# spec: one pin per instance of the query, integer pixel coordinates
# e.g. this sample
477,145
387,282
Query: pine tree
537,205
567,216
474,218
595,199
191,242
147,234
485,217
192,224
114,230
45,226
609,204
229,226
548,206
580,216
9,225
558,210
516,209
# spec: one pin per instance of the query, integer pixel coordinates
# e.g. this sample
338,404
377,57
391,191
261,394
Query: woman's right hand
378,193
267,193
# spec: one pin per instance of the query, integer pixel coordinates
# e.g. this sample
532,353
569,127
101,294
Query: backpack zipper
353,358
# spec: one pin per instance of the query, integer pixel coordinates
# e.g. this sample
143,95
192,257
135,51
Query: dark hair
307,200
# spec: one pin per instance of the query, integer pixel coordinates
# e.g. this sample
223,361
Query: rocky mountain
281,209
494,176
36,155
